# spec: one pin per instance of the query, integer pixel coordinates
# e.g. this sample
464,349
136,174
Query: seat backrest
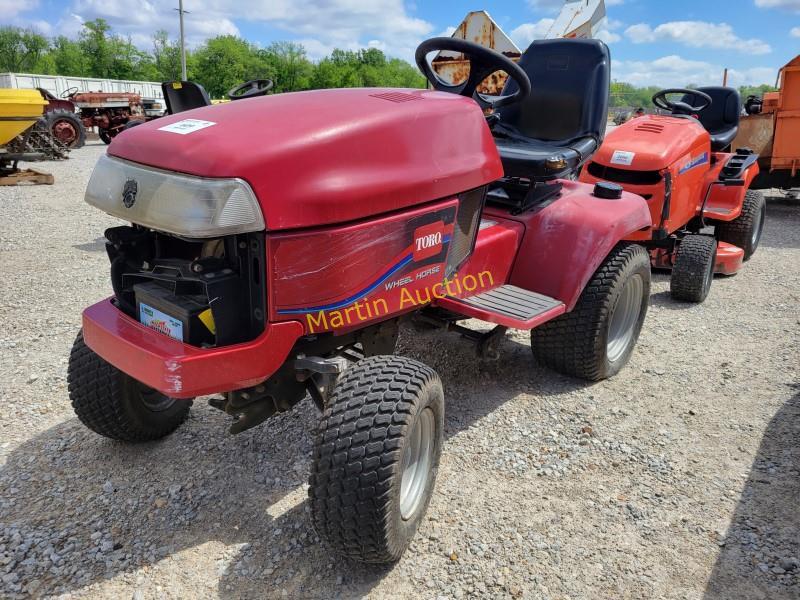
184,95
725,109
570,81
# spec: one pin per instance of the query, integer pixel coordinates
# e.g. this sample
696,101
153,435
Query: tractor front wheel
376,456
693,270
596,339
115,405
745,230
67,128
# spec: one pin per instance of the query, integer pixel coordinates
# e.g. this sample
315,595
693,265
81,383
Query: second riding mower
277,242
683,166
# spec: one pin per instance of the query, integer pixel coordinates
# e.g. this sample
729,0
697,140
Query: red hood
329,156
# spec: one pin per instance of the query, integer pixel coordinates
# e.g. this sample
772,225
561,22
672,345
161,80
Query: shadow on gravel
97,245
761,555
782,228
76,509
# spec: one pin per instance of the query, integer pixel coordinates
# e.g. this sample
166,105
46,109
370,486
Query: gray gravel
679,478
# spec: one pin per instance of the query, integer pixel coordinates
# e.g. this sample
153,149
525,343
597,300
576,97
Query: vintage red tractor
683,166
276,244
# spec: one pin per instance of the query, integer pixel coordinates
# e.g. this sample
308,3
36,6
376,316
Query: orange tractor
771,129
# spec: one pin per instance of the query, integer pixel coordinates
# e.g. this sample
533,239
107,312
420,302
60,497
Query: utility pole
183,42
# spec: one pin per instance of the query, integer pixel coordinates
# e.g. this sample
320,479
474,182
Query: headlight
173,202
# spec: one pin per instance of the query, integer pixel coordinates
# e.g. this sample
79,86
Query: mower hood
653,143
327,156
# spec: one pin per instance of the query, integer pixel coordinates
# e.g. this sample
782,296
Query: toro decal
428,240
696,162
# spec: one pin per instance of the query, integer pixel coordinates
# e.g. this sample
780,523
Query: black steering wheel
69,91
251,89
679,107
482,63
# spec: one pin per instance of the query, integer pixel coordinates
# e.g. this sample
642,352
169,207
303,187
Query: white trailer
58,84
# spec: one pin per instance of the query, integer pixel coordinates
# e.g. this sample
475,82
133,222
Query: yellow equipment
19,110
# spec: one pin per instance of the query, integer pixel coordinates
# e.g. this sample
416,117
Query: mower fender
565,242
725,202
180,370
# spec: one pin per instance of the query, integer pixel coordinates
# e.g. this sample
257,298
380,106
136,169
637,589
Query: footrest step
507,305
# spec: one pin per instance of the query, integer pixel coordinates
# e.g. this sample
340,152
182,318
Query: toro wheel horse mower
682,165
262,272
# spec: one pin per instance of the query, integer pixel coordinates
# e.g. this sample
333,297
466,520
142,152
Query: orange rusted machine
577,19
772,130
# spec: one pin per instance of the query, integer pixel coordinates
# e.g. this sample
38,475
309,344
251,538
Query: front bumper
180,370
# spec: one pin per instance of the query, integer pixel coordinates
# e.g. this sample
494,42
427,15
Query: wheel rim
625,316
709,276
758,227
416,464
153,400
65,132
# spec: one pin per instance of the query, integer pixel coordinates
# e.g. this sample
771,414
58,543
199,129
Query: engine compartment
214,287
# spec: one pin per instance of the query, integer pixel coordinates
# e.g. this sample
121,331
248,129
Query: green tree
288,66
95,45
22,50
226,61
68,57
166,57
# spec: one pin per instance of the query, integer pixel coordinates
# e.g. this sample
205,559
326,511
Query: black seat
721,119
184,95
565,114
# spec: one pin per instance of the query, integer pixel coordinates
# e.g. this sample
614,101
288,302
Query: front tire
745,230
596,339
376,457
115,405
105,135
693,270
67,128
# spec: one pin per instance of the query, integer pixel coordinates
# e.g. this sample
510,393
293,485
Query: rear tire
376,457
115,405
67,128
693,270
745,230
597,338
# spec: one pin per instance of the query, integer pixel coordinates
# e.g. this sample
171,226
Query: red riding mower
682,165
276,243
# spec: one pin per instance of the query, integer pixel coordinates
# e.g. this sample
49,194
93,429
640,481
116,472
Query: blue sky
665,43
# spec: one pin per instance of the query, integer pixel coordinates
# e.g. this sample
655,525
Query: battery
179,314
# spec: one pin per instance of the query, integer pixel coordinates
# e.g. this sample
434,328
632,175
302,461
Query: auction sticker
186,126
621,157
162,322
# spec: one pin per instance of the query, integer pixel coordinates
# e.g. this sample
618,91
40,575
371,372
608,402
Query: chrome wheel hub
416,463
622,325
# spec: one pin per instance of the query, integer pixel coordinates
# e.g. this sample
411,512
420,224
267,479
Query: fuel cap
608,191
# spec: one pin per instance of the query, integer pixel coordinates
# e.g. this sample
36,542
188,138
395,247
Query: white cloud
674,71
795,32
606,30
11,8
698,34
790,4
523,35
447,31
320,25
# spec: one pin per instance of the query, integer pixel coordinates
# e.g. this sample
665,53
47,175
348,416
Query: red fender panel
566,241
725,202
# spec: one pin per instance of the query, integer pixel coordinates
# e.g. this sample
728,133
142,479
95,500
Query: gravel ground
679,478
